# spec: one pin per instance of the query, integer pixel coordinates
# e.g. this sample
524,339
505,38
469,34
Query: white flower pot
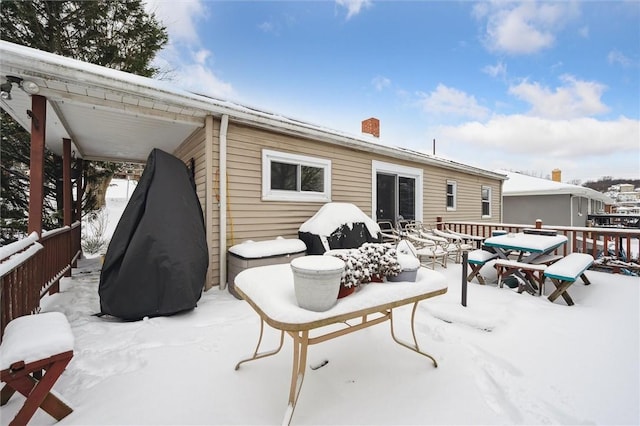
316,280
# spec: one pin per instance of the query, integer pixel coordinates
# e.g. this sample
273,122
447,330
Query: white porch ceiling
112,121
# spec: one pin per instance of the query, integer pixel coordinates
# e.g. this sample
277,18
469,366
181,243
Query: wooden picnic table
270,292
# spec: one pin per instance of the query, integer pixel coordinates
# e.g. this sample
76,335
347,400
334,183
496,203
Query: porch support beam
67,195
36,163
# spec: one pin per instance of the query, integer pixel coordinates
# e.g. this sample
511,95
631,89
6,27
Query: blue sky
528,86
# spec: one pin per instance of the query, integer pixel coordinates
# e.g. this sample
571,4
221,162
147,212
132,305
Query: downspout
209,192
571,215
224,125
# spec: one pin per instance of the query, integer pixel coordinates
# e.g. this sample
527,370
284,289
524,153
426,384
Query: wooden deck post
36,163
67,196
538,224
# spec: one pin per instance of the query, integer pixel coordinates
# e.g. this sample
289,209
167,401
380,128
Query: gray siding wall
551,209
556,210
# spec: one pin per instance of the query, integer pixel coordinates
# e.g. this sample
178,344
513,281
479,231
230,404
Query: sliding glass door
398,192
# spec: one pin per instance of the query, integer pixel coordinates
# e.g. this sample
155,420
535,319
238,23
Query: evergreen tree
115,34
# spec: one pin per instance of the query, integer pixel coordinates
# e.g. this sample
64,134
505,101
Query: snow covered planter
408,261
316,281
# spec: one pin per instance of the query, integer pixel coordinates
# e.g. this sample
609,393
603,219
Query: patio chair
429,252
457,241
389,233
449,246
474,240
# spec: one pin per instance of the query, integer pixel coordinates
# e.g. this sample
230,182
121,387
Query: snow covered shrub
94,239
368,261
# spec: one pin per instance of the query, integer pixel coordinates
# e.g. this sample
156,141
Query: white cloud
354,7
563,139
575,99
447,100
497,70
584,32
184,59
267,27
380,82
523,27
617,57
180,17
197,78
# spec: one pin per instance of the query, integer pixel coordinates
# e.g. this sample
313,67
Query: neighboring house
526,199
259,175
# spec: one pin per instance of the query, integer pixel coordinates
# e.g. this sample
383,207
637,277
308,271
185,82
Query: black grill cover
157,259
345,237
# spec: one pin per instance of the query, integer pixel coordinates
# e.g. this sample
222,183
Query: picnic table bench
476,260
566,271
534,271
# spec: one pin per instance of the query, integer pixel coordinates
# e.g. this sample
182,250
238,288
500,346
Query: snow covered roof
93,105
520,185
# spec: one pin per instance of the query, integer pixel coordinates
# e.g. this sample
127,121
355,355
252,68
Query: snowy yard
507,358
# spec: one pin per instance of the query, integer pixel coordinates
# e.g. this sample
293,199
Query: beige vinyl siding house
110,115
250,215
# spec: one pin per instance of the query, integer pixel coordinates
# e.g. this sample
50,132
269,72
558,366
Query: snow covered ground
506,358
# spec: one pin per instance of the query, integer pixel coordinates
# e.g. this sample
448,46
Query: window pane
312,179
407,198
485,209
283,176
450,201
485,194
451,195
450,189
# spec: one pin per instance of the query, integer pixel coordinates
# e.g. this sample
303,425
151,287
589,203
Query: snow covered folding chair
566,271
32,344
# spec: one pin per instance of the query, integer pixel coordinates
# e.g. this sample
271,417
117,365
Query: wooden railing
32,267
616,242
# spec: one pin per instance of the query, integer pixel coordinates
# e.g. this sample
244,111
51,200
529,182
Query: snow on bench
480,257
32,344
32,337
570,267
566,271
477,259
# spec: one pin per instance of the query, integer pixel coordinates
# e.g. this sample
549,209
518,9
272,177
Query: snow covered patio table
270,291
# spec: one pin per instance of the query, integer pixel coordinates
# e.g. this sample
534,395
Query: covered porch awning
107,114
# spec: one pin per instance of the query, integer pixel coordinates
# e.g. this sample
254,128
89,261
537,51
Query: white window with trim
452,190
294,177
486,201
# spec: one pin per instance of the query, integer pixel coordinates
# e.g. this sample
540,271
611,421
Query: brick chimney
556,175
371,126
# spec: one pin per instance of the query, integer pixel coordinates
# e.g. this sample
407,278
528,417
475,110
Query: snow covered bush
366,262
94,239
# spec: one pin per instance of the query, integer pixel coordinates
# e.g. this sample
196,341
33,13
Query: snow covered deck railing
32,267
620,243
